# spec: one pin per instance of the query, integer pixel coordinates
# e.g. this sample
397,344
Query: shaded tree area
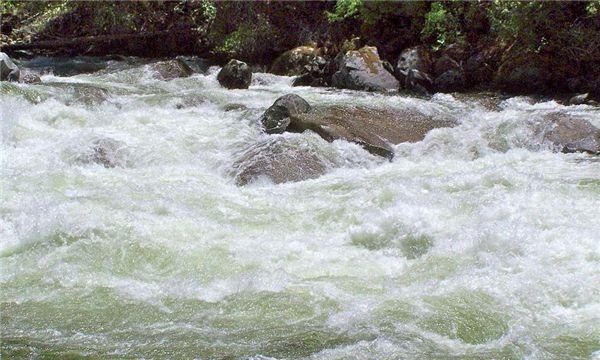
557,44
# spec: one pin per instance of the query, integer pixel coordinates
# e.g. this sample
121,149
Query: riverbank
545,48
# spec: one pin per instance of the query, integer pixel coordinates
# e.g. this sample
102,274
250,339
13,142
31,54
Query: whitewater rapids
477,243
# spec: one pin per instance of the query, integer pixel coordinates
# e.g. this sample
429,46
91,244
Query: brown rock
171,69
293,62
569,134
280,161
374,129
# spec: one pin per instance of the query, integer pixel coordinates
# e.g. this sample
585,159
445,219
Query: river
478,242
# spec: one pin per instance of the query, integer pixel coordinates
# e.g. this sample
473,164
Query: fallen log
91,40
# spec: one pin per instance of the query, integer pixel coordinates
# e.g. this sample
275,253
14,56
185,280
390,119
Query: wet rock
235,75
279,160
443,64
89,94
449,75
414,58
374,129
588,83
362,69
478,69
451,80
534,73
419,82
458,52
579,99
309,79
293,62
29,78
569,134
277,117
171,69
313,73
413,70
8,70
234,107
107,152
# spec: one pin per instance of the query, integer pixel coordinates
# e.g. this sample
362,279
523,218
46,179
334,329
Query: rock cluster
11,72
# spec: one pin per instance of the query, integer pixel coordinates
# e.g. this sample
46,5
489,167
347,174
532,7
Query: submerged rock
374,129
362,69
171,69
569,134
278,160
89,94
234,107
277,117
235,75
107,152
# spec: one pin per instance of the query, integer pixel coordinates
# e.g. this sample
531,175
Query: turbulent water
477,243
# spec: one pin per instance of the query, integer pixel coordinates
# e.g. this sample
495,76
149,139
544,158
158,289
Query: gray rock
458,52
295,61
8,70
171,69
479,69
277,117
413,70
569,134
234,107
374,129
308,79
235,75
107,152
362,69
414,58
451,80
443,64
579,99
89,94
278,160
418,82
29,78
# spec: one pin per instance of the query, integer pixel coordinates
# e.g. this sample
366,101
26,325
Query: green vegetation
558,35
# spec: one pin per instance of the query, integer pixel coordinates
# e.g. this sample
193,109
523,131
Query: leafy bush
441,26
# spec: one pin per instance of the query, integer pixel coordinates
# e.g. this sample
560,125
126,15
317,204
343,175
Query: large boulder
277,117
278,160
8,70
570,134
171,69
414,58
235,75
374,129
449,74
362,69
295,61
413,69
535,73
